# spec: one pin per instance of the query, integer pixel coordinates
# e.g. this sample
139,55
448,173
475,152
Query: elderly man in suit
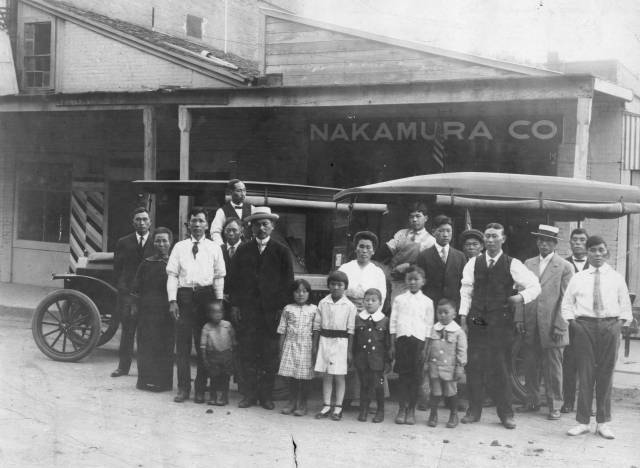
578,259
129,252
545,331
259,287
442,264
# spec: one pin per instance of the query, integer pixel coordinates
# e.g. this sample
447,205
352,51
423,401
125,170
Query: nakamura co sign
525,128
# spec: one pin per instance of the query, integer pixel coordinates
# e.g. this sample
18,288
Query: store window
37,56
44,192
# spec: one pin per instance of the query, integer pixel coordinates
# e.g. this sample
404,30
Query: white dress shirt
411,315
219,220
361,279
403,236
185,271
144,238
578,298
544,261
526,281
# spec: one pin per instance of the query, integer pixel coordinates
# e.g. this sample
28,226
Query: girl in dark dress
155,326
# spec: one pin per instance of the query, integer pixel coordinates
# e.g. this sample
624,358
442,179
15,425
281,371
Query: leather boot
453,415
379,417
402,413
223,398
293,398
433,415
364,410
410,418
213,397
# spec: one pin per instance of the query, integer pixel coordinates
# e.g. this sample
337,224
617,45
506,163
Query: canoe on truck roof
575,198
260,193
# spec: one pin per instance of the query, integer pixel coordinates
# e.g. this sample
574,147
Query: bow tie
237,207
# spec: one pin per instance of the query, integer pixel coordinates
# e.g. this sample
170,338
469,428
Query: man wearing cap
259,283
234,208
545,332
597,307
472,243
486,302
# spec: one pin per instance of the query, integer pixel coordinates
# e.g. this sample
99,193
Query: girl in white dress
333,330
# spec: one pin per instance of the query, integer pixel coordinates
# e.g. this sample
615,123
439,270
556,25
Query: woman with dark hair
155,328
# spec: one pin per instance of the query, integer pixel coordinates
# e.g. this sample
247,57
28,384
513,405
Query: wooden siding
306,55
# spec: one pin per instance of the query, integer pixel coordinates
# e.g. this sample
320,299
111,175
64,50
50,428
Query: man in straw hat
259,282
545,332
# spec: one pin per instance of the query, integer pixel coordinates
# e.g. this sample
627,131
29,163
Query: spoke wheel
109,322
66,325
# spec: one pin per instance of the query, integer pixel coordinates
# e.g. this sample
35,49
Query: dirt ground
74,415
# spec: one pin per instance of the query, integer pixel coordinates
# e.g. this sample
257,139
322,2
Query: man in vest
234,208
487,298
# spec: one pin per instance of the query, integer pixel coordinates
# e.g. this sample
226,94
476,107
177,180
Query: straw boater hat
474,233
262,212
546,231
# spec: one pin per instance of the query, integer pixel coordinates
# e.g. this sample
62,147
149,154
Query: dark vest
491,287
229,212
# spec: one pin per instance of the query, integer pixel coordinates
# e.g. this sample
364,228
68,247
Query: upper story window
37,56
194,26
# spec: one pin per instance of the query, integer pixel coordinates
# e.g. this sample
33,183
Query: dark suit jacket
442,281
260,284
227,264
127,258
575,267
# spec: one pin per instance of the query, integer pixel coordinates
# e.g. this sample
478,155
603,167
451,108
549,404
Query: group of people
453,318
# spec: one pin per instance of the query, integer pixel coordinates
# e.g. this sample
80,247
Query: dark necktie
237,207
491,263
140,244
232,250
195,249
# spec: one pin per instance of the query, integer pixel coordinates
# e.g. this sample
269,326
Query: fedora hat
550,232
262,212
472,233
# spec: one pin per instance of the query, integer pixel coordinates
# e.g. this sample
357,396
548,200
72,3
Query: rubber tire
517,387
41,341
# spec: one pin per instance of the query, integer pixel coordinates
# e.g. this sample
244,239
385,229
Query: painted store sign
528,128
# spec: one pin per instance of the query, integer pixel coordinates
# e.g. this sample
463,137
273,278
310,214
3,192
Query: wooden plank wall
306,55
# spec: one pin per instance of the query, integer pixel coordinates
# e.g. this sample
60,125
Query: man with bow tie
546,333
259,285
195,276
234,208
129,252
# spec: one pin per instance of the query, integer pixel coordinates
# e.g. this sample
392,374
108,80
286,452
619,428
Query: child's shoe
301,410
379,417
337,414
290,408
222,399
324,412
212,398
453,420
433,418
402,414
364,410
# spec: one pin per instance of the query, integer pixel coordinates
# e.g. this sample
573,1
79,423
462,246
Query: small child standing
296,345
446,358
410,326
217,344
371,344
333,329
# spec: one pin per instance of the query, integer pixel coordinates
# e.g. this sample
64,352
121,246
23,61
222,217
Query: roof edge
413,45
194,64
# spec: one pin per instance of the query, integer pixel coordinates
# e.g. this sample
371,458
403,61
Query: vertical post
184,123
149,119
583,122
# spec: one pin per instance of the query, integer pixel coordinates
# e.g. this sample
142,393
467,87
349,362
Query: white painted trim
612,89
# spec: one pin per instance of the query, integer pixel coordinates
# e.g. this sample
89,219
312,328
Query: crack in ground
295,450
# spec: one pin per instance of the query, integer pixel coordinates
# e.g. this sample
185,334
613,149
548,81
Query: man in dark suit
130,251
232,234
259,287
578,259
442,264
